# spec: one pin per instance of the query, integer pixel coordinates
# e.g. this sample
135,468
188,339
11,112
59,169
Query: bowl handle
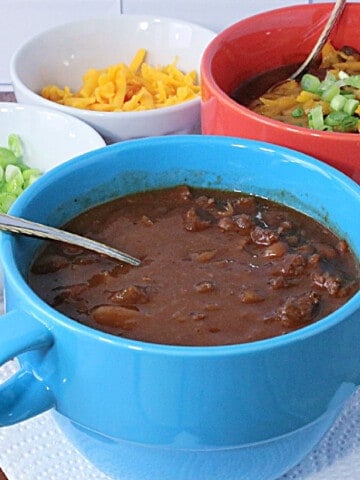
25,394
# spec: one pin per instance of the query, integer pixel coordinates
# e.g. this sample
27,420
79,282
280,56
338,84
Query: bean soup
217,268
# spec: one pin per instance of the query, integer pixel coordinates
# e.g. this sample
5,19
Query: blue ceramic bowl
145,411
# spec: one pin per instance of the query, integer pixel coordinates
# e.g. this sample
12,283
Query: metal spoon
26,227
335,15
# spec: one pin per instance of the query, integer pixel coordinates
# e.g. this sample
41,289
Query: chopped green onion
310,83
348,95
337,103
11,172
316,118
15,175
30,175
329,77
330,93
7,157
342,121
297,112
335,118
341,93
349,124
342,75
353,81
350,106
15,146
329,80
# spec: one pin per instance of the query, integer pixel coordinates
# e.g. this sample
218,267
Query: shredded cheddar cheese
125,88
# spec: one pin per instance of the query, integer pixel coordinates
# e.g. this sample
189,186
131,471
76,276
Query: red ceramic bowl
262,42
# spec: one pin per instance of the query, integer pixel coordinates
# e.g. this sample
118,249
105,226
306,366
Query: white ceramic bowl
48,137
63,54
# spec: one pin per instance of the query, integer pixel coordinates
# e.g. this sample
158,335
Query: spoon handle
335,14
26,227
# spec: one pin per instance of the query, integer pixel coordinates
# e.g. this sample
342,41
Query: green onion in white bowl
15,175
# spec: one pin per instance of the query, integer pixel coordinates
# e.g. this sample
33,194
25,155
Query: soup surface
327,97
217,268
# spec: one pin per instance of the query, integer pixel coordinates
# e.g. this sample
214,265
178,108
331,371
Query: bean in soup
217,268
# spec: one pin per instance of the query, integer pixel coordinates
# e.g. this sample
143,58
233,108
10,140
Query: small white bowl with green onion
33,140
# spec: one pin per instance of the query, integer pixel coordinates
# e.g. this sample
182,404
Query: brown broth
217,268
253,88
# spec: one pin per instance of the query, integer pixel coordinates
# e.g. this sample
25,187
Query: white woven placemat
37,450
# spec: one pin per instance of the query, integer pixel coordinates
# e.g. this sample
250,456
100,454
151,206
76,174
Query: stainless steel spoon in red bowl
334,17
